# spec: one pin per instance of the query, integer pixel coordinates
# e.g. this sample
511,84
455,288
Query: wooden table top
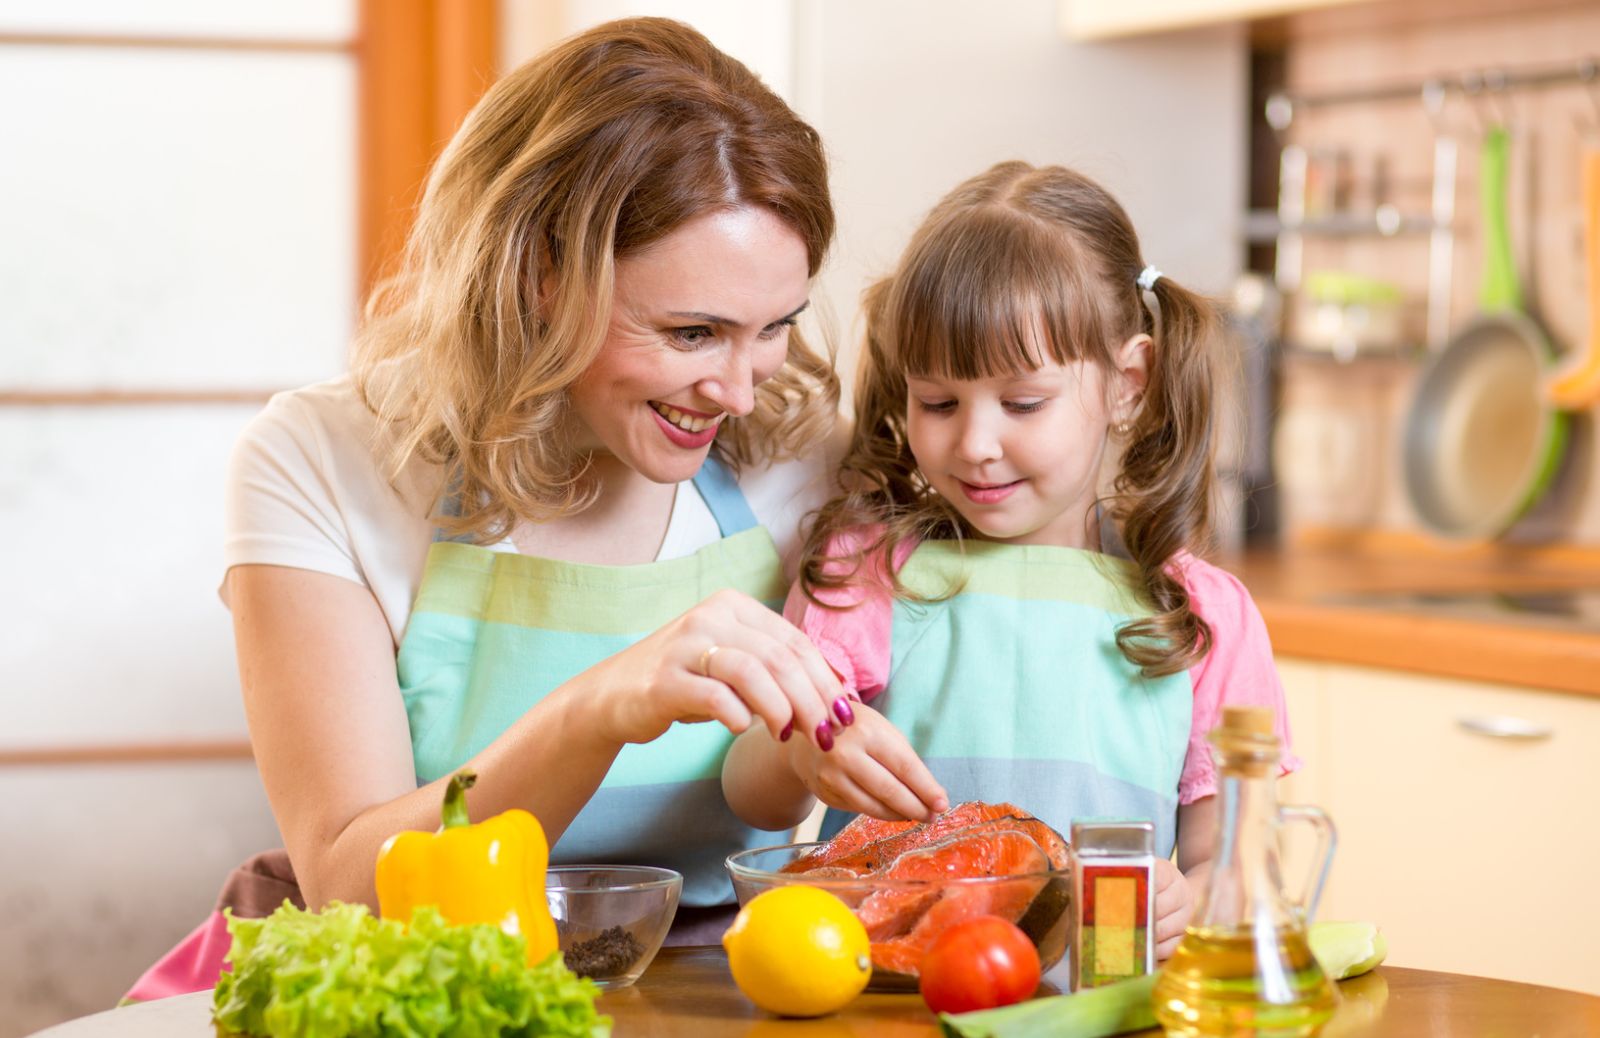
687,993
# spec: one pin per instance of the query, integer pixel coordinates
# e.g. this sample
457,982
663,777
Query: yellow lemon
798,951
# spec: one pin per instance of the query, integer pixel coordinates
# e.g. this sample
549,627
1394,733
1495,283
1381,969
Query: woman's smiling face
698,320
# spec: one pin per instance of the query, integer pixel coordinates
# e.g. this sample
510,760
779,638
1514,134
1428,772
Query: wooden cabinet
1469,848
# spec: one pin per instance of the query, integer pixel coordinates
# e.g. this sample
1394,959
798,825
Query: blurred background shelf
1264,226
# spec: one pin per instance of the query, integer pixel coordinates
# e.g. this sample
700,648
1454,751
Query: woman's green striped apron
492,633
1014,689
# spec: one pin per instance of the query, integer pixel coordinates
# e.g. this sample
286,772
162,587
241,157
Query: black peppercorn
607,955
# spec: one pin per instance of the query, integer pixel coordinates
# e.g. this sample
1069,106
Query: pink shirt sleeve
854,637
1238,671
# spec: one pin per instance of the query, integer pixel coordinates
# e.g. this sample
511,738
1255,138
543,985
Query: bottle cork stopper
1249,720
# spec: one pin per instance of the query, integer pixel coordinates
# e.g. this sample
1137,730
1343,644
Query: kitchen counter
687,993
1518,615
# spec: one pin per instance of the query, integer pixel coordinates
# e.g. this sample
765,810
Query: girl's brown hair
595,150
1010,253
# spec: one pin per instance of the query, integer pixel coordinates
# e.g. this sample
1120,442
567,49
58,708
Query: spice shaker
1114,901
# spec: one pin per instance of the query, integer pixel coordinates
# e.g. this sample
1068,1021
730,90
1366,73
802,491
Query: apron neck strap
722,496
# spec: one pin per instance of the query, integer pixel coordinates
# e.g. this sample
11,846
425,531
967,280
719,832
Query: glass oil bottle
1243,968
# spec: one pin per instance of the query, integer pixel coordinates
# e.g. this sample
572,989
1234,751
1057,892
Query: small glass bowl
1045,918
611,919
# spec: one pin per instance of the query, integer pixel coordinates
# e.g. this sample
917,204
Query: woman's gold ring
705,660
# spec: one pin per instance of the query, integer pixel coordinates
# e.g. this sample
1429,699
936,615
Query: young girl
1007,577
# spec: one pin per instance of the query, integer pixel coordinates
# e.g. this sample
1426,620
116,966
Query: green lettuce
342,973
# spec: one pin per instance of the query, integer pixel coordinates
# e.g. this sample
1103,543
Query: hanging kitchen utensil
1578,387
1481,440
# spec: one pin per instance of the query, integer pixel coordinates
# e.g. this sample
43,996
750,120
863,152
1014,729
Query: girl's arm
871,769
773,784
761,788
1197,834
1239,670
332,741
1178,886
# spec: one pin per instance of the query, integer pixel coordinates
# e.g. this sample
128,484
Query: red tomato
979,964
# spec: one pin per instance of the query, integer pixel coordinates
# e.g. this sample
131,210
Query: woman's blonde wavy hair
1009,252
595,150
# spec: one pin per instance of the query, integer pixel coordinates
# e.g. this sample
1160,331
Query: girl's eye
777,328
1024,406
692,336
937,406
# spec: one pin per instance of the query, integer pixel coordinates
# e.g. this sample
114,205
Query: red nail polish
787,731
825,736
841,710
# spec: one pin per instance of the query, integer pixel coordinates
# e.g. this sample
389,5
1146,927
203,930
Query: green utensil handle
1500,291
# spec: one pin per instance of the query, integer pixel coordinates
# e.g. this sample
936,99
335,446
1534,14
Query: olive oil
1243,968
1227,983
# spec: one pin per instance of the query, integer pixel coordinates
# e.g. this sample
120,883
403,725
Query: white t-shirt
306,489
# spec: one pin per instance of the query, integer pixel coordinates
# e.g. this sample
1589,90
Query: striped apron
1014,689
492,633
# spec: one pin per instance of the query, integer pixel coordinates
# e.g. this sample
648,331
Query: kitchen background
193,197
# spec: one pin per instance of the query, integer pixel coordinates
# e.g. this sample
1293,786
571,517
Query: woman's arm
331,739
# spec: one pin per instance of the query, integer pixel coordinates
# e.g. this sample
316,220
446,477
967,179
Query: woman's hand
872,770
730,659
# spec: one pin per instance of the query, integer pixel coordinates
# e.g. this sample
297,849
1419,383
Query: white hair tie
1148,278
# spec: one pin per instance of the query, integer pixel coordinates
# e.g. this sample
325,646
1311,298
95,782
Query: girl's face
1018,456
698,320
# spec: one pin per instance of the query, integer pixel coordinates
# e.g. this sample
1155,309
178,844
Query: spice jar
1114,901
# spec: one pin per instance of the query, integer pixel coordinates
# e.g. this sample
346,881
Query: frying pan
1482,441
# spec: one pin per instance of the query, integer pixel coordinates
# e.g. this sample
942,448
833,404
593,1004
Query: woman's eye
937,406
777,328
1024,406
692,336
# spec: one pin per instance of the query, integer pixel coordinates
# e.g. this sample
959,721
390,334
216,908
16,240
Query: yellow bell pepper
492,872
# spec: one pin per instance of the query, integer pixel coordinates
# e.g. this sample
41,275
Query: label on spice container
1115,927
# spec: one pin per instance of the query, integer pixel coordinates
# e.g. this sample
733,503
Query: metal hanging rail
1289,224
1467,84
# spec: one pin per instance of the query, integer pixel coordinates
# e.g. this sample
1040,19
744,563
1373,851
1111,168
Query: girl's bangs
988,298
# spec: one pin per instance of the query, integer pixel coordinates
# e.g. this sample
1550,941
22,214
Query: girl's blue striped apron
492,633
1014,689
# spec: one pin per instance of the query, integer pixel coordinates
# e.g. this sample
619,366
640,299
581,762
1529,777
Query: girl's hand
872,769
729,659
1174,907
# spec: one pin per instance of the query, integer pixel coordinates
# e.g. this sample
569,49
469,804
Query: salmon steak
912,865
868,844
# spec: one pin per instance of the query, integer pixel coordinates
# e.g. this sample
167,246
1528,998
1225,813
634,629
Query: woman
538,523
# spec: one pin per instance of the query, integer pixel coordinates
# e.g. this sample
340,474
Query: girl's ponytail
1164,489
